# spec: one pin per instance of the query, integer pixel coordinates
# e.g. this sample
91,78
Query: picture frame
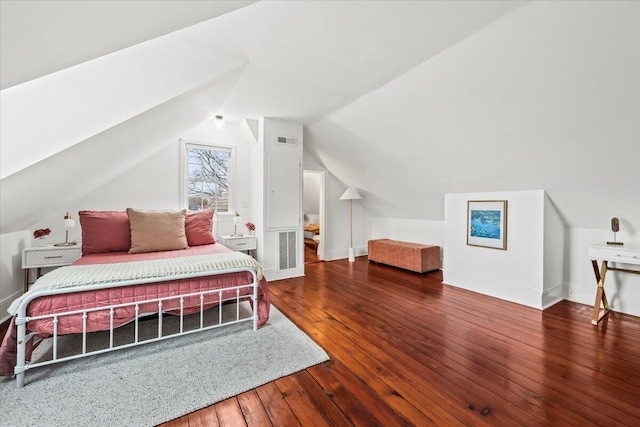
487,223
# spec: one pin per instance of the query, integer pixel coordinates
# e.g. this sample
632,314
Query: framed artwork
487,223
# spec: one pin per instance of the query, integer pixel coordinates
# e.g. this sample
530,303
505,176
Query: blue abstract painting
485,223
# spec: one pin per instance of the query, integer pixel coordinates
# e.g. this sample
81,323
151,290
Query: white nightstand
48,256
241,243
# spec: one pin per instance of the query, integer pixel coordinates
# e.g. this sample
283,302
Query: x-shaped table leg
601,296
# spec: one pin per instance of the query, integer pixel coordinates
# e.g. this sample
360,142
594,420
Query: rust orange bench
410,256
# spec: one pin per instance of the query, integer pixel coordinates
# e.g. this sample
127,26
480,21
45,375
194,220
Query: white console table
627,254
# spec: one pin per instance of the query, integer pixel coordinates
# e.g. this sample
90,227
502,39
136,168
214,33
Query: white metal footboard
22,319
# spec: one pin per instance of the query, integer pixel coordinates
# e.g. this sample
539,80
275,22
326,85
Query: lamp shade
351,194
237,220
67,223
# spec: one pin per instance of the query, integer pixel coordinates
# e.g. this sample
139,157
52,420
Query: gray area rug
156,382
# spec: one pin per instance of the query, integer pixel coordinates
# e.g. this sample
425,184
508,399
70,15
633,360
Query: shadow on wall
11,277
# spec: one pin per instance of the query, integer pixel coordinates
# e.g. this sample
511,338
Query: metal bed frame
22,319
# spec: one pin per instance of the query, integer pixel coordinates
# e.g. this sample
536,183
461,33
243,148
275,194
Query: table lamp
68,223
237,220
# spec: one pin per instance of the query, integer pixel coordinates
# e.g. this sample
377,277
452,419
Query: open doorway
313,206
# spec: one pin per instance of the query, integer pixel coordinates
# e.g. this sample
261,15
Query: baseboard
587,295
546,303
273,274
552,296
505,291
337,254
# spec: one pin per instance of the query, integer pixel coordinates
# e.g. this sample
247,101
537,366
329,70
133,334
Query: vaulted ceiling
404,100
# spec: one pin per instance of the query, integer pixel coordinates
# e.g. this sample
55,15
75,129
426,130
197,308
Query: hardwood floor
310,251
408,350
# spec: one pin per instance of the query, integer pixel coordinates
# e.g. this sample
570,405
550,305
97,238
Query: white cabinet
278,158
284,190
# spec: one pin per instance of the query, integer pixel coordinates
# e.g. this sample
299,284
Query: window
208,177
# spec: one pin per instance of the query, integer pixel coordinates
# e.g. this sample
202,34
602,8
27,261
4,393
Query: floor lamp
351,194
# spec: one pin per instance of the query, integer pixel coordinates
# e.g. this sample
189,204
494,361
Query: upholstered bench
410,256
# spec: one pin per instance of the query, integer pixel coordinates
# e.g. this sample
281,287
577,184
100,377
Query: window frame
186,144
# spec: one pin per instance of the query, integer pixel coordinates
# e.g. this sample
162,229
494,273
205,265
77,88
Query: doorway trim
322,175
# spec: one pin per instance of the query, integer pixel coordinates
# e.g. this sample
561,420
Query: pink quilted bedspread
100,320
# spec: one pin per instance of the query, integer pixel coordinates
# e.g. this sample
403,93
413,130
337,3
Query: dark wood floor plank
377,372
229,413
318,396
322,399
438,357
301,402
557,364
354,397
252,409
571,332
310,298
396,351
390,337
508,347
178,422
277,408
206,417
489,327
330,342
407,349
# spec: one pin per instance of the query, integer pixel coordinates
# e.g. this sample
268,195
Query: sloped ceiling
546,98
405,100
42,37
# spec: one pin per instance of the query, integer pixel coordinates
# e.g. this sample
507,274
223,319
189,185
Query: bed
106,289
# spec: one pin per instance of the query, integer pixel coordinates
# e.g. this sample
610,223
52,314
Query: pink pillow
104,231
198,227
154,231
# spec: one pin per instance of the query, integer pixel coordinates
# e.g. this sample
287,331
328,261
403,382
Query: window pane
208,172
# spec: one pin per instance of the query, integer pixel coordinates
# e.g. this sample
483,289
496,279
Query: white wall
555,253
153,183
336,230
409,230
566,268
11,276
311,193
515,274
540,99
539,105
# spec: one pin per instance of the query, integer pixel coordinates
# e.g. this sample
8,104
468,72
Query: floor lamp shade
350,195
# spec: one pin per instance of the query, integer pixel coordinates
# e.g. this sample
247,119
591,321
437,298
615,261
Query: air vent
287,250
287,140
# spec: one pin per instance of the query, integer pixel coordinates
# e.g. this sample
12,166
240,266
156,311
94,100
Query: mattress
101,320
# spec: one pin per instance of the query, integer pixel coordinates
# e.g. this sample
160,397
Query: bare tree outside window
208,171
